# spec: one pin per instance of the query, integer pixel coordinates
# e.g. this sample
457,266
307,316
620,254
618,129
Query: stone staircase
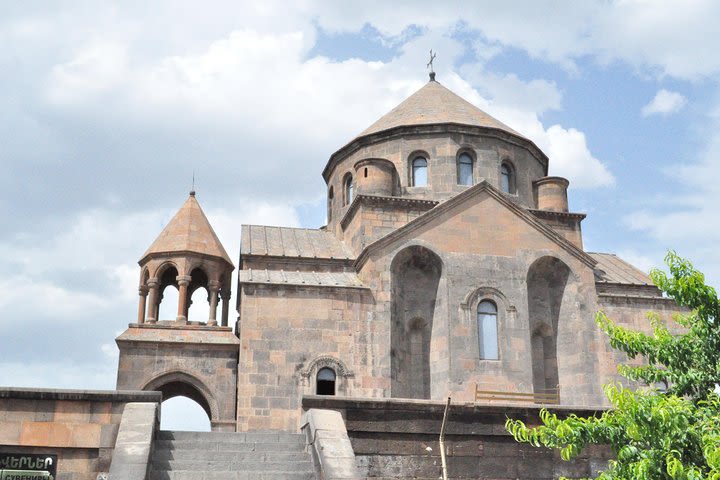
230,456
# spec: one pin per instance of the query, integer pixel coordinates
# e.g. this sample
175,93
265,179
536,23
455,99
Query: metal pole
442,441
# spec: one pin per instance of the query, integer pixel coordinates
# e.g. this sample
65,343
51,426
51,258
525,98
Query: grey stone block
134,441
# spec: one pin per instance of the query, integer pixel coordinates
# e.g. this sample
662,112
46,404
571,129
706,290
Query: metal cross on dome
430,63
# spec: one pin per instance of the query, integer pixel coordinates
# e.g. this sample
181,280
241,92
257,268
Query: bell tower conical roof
188,231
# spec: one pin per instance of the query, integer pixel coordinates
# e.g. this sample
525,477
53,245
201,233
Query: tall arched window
325,383
487,330
507,178
348,187
419,172
465,169
329,204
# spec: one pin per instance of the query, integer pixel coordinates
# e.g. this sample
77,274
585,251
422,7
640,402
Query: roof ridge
282,227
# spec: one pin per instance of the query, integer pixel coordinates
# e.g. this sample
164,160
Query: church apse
416,273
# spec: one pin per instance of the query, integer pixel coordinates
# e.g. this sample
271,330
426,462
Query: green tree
653,434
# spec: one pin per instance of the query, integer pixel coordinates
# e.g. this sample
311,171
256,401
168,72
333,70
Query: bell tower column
213,287
225,295
153,300
141,305
183,282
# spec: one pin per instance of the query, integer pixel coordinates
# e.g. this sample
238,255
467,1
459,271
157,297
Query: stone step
265,475
234,437
260,455
185,445
230,465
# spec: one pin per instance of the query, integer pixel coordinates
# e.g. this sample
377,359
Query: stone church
450,263
451,266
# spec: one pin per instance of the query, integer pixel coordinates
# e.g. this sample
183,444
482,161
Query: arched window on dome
348,189
419,172
487,330
329,203
465,169
325,381
507,178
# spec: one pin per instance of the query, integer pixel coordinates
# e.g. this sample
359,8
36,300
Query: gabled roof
291,242
188,231
434,104
409,228
613,269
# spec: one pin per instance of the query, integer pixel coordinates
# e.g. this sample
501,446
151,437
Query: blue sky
106,111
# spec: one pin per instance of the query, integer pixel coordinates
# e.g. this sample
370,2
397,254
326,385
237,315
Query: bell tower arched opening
416,275
168,298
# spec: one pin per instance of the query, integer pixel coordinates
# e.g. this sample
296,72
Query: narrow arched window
464,169
419,172
329,204
487,330
325,384
348,187
507,178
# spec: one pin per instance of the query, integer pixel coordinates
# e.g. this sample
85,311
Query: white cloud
110,350
88,268
59,374
668,38
570,157
567,149
218,86
684,217
27,297
665,102
641,261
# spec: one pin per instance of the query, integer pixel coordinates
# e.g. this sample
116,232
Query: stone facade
390,299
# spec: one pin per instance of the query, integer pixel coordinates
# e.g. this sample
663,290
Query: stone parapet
79,426
328,440
133,447
399,438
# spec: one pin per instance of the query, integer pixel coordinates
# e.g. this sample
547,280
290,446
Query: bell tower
196,359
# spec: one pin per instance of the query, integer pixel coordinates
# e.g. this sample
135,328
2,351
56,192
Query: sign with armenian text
27,466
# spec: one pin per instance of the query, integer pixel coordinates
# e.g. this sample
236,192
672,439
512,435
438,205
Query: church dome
435,104
433,109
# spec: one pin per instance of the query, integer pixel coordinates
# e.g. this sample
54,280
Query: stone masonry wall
442,150
80,427
487,252
374,219
630,311
289,332
196,361
399,439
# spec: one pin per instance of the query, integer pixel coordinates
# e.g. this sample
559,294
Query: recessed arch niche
416,273
547,282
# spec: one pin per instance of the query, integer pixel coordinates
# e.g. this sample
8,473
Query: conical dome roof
434,104
188,231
